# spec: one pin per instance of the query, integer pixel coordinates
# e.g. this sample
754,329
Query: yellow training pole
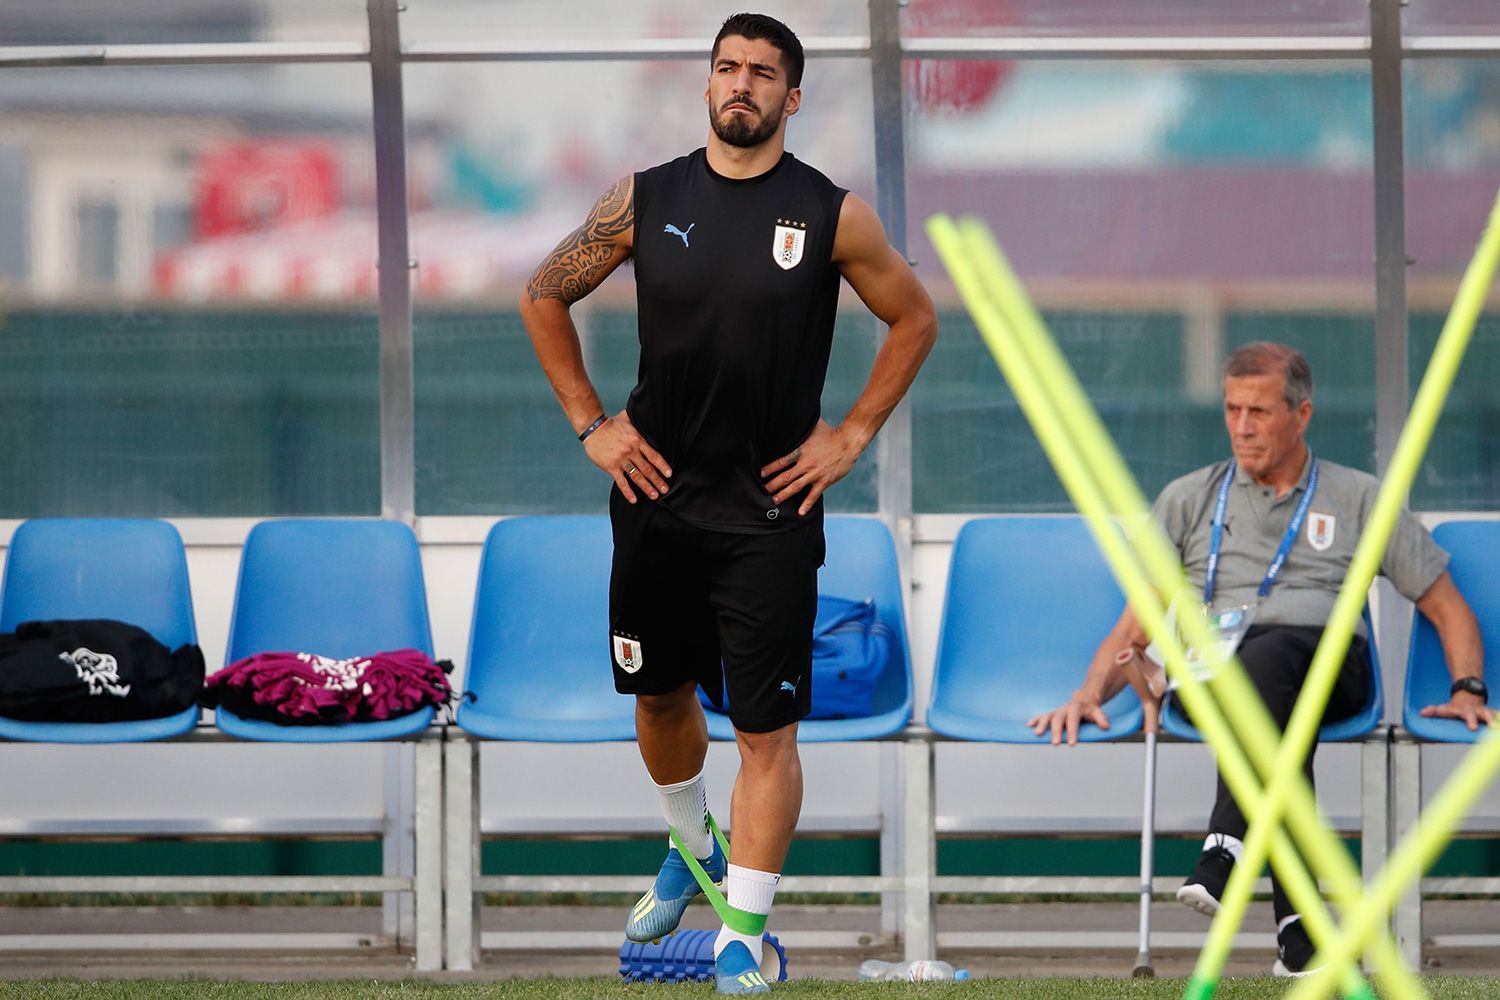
1415,854
1076,478
1049,360
1426,408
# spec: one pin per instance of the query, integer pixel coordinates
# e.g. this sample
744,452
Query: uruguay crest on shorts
1320,529
786,247
627,652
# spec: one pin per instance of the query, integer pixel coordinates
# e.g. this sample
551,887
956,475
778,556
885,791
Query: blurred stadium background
191,320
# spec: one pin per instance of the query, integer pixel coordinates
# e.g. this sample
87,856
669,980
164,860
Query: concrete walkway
1028,939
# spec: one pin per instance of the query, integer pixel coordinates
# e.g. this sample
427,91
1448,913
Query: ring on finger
630,470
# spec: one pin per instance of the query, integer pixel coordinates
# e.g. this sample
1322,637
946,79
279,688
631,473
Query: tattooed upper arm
587,255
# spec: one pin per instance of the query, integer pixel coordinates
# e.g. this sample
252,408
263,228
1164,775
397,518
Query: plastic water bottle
916,970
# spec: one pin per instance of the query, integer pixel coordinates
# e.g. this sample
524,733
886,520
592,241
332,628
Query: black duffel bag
94,670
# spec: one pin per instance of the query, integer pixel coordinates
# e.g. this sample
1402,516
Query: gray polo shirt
1255,520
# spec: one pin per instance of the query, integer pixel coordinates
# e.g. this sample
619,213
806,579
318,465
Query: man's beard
736,130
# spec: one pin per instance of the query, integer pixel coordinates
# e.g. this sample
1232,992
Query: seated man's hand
1067,718
1469,708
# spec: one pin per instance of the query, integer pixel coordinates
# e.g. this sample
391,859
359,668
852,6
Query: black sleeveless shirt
736,297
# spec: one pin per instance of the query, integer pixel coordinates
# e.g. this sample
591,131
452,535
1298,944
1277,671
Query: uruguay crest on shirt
1320,529
786,246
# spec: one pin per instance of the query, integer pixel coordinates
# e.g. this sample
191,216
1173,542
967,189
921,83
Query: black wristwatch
1473,685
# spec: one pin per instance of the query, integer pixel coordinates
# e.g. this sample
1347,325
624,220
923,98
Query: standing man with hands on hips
720,458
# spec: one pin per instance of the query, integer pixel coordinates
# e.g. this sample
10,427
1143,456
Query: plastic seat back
129,569
539,659
337,588
1029,599
1471,546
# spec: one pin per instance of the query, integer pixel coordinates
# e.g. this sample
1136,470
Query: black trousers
1277,658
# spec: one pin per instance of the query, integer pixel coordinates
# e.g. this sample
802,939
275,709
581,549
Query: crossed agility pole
1263,774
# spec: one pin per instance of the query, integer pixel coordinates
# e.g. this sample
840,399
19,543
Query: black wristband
1471,685
593,427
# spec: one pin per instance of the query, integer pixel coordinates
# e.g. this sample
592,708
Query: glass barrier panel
583,22
187,267
1160,216
1451,17
495,184
1138,19
1452,172
110,22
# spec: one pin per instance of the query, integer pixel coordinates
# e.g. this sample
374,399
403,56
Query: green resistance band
737,920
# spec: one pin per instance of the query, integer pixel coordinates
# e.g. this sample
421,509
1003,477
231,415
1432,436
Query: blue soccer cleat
736,972
659,911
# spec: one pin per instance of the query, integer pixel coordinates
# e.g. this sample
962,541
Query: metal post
427,879
1375,806
919,866
461,849
1392,385
893,447
397,409
1406,791
1143,968
892,834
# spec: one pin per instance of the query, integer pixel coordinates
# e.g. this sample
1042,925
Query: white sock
1233,845
1284,922
685,807
752,891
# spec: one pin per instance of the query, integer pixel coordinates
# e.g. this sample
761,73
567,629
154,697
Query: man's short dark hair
763,26
1265,358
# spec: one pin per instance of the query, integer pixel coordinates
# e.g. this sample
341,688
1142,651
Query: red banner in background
262,184
956,85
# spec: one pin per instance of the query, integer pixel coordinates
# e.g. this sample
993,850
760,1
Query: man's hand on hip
822,460
618,448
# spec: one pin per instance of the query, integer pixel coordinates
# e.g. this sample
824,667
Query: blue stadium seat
1029,600
337,588
860,564
1359,725
538,666
1471,545
130,570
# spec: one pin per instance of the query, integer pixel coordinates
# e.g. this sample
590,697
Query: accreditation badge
1228,626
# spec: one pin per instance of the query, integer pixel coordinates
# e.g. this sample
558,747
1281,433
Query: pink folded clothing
297,689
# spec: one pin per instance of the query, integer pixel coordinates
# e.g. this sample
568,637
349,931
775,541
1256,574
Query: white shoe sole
1282,972
1197,897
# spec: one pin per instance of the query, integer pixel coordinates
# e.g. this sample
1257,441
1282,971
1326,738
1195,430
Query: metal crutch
1146,678
1143,967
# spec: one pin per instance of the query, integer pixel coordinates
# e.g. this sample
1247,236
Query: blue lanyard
1217,534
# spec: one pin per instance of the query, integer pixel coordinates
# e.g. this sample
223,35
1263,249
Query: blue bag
850,651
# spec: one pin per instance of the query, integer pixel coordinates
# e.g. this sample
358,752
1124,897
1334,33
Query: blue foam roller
689,955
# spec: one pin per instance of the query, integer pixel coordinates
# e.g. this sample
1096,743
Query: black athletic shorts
714,607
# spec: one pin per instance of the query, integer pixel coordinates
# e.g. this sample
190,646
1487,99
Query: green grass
1438,988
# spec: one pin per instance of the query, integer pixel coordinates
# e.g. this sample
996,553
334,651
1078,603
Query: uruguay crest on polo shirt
786,247
1320,528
